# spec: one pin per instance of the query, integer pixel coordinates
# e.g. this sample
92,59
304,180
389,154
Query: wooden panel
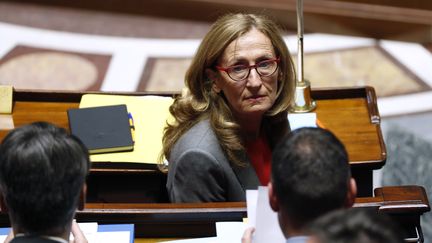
402,20
349,120
198,220
351,113
347,112
26,111
407,204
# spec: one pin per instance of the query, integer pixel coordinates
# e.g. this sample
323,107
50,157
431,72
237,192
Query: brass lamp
303,101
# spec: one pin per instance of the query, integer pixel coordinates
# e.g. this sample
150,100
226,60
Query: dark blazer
199,171
32,239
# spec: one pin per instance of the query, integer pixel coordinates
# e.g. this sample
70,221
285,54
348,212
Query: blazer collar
246,175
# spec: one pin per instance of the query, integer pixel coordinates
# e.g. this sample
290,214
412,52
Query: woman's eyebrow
238,60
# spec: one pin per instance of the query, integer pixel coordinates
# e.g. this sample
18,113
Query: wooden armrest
397,199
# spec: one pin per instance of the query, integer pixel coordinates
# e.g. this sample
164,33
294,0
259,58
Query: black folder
103,129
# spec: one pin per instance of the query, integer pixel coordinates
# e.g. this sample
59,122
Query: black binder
103,129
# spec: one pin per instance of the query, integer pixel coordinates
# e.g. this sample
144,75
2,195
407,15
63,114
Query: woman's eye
264,64
238,69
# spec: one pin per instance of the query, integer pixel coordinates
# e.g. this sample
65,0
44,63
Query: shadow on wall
409,162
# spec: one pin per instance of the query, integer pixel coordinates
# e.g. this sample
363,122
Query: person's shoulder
201,127
200,137
199,134
298,239
32,239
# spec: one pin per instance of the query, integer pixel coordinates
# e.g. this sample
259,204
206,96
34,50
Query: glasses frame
255,66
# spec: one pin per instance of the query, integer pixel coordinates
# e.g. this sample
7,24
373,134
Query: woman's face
256,94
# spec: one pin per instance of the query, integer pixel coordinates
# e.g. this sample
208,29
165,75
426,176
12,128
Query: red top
260,156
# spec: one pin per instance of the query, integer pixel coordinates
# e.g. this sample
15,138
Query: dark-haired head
311,175
42,172
355,225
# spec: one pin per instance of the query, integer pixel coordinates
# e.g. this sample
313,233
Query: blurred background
136,45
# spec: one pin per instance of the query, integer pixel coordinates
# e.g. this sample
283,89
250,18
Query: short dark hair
42,171
310,174
355,225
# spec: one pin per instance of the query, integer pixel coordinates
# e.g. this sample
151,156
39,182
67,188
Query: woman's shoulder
198,140
202,123
200,129
199,135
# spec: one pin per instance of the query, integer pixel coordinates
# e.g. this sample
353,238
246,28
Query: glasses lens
267,68
238,72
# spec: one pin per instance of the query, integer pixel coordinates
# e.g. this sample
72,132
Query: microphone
303,101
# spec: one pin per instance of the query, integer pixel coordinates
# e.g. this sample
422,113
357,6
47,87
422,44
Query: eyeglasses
241,72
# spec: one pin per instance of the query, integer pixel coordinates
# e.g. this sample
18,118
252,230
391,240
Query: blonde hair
198,101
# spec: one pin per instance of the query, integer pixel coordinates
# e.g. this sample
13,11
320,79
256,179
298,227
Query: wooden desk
137,193
164,220
351,113
405,204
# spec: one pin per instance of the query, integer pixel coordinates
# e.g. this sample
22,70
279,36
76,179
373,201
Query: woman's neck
250,128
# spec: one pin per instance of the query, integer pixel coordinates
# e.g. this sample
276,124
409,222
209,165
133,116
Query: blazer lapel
247,175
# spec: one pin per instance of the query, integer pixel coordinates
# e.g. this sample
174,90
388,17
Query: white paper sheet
251,200
88,229
111,237
230,231
298,120
197,240
267,226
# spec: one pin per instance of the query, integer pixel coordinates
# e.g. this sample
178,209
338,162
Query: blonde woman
232,112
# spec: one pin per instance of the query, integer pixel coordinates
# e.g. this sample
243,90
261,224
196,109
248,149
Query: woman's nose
254,79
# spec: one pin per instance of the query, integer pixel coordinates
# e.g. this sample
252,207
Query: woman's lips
255,98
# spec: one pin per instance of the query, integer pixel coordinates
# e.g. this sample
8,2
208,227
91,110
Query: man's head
42,172
355,225
310,176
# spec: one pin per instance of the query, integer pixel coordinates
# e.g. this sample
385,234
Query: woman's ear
213,77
